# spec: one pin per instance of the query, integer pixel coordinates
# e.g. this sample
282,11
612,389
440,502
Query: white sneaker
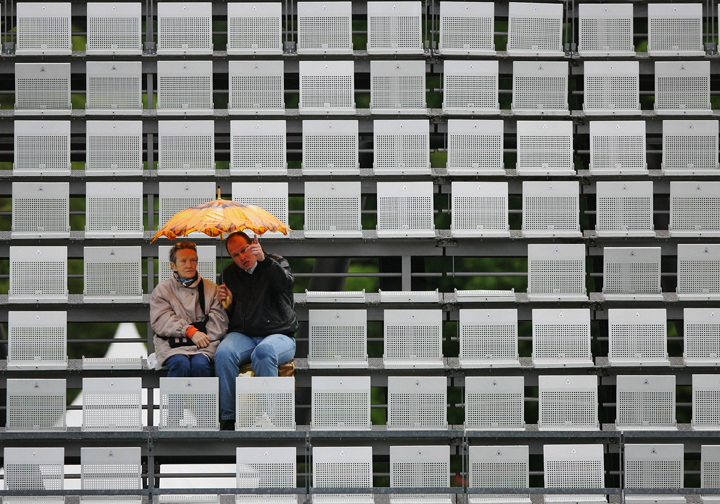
264,421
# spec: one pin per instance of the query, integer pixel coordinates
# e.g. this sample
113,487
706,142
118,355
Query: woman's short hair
181,246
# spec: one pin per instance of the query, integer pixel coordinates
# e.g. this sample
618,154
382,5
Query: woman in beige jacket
186,333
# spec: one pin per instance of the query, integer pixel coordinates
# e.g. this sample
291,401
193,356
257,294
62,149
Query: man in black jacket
258,297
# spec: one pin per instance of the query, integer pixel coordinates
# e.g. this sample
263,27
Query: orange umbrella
220,217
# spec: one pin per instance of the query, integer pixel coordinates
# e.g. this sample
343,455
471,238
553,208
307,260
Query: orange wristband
190,331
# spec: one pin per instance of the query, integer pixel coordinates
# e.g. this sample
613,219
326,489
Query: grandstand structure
529,190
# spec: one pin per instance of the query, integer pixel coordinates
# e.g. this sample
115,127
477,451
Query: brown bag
287,369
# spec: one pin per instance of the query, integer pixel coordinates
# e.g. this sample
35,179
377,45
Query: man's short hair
237,234
181,246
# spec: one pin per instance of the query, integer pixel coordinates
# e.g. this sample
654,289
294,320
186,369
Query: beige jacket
174,307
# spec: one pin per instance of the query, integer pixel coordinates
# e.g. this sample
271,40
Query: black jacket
263,302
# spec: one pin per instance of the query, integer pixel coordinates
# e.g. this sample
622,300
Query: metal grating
414,467
189,404
324,28
394,27
568,403
254,28
540,88
709,470
494,403
556,272
701,330
184,87
397,87
411,296
42,89
335,296
266,468
617,148
488,338
206,266
186,148
694,208
330,147
545,148
612,87
41,148
113,148
631,273
479,209
113,88
638,337
327,87
342,467
645,402
654,466
256,87
574,466
177,196
405,209
117,468
27,286
37,340
705,401
258,148
266,403
35,405
690,147
624,208
43,28
606,30
112,404
270,196
682,87
551,208
675,30
184,28
112,274
337,339
412,339
561,338
114,210
40,210
114,28
340,403
34,469
475,147
535,29
698,267
332,210
467,28
401,147
417,402
470,87
499,467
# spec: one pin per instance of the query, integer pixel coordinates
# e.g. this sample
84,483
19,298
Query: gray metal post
406,273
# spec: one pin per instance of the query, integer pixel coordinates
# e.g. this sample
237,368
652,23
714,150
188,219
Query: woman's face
185,263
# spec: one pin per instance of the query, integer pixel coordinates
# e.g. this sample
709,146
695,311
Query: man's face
185,263
239,253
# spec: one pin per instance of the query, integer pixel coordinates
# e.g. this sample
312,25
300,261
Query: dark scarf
185,282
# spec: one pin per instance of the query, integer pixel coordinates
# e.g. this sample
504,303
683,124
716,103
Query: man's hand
200,339
224,296
255,249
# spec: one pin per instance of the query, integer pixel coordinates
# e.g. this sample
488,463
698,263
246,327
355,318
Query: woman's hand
200,339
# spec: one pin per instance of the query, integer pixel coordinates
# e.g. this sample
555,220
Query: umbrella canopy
220,217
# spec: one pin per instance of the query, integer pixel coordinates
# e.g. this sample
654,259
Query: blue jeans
265,353
188,365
